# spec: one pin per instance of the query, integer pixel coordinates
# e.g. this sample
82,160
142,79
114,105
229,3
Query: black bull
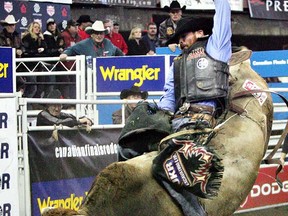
128,188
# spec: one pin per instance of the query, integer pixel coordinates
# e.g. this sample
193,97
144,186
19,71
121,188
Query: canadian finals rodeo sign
71,164
115,74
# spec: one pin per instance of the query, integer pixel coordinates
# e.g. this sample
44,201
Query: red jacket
118,40
83,35
68,39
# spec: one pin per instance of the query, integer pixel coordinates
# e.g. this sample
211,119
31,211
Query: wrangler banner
61,172
7,76
116,74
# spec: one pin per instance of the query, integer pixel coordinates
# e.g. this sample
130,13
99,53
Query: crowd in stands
81,37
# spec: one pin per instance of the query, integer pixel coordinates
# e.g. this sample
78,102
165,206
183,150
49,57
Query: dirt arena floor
277,211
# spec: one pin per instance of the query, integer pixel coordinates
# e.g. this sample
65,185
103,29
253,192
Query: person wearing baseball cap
134,93
70,33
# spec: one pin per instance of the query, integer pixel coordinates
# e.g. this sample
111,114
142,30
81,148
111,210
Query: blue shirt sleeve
167,100
218,47
219,43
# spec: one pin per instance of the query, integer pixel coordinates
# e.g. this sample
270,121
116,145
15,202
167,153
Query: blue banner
116,74
270,63
51,193
6,70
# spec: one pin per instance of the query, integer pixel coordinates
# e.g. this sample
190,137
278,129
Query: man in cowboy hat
196,91
168,26
95,46
134,93
9,37
83,22
205,59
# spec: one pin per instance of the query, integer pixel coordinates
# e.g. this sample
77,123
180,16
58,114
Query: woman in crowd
136,45
34,46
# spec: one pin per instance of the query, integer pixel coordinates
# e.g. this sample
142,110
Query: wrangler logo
3,70
124,74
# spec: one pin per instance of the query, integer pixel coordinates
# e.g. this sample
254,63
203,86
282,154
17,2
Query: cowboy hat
174,6
97,26
84,19
194,24
9,20
134,90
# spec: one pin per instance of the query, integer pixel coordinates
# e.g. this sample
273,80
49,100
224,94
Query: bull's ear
240,56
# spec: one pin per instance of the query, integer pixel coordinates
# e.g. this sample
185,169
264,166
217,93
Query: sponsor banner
236,5
270,63
76,154
134,3
61,172
9,191
268,9
266,192
28,11
117,73
53,194
7,76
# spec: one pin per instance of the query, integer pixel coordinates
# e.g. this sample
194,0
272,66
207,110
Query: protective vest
198,77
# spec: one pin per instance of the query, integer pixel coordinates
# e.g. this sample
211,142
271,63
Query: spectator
53,38
95,46
9,37
168,26
114,37
70,34
134,93
116,27
84,21
34,46
55,46
151,39
33,41
136,45
71,37
53,115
